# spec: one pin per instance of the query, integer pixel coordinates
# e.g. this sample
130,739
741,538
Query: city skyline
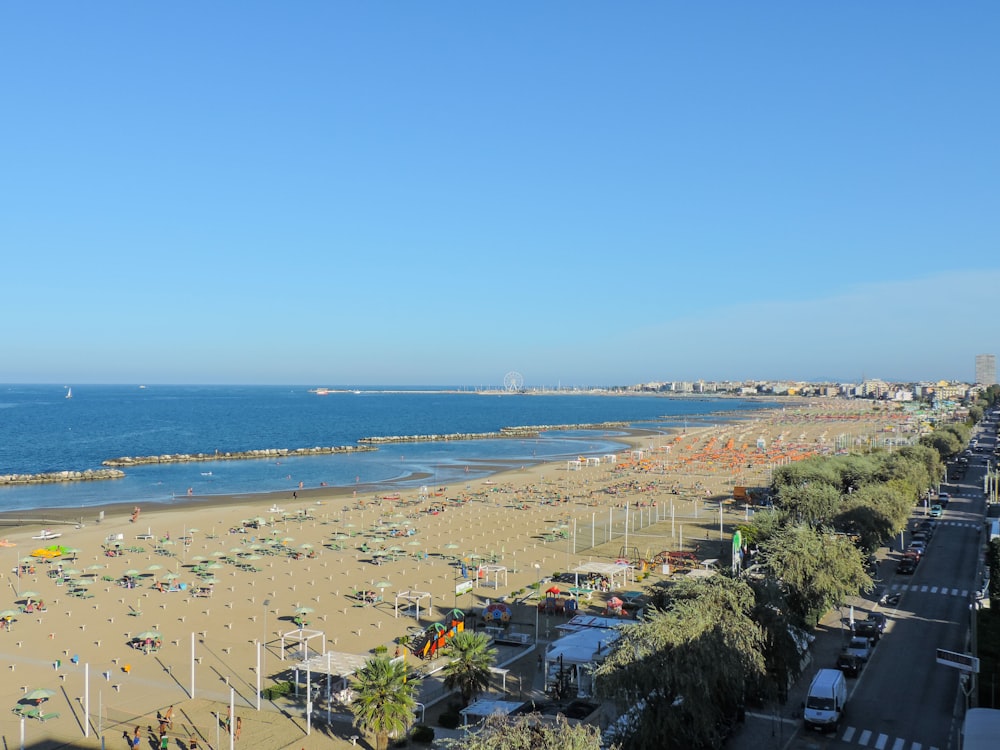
338,194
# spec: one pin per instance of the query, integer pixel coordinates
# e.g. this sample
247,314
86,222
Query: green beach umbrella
29,594
154,566
9,613
414,543
39,694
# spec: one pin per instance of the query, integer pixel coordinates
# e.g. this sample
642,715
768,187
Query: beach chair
45,717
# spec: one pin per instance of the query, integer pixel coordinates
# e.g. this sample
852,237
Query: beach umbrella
304,610
167,542
27,560
451,545
396,548
169,577
210,580
287,539
29,594
305,545
9,613
193,531
218,553
341,538
199,558
131,572
95,566
67,572
414,543
235,550
154,566
383,585
39,695
214,566
148,635
83,583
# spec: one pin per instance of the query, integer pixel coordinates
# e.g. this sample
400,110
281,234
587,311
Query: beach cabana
302,636
413,599
486,572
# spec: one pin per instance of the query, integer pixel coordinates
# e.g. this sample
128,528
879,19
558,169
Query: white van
826,700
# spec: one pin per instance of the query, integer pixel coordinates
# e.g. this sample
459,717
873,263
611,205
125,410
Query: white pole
192,665
626,528
329,678
721,533
22,732
593,529
86,699
611,523
258,675
232,718
309,704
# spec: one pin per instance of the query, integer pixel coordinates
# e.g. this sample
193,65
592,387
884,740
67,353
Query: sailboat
69,393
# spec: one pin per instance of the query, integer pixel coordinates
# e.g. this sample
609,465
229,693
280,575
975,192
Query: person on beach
239,727
168,717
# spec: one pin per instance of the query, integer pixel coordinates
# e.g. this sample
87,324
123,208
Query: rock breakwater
89,475
532,431
181,458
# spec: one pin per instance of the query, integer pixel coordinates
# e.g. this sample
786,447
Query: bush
450,719
422,734
380,650
276,691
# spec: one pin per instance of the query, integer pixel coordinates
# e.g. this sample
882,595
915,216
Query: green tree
818,568
815,503
530,732
682,671
386,699
469,667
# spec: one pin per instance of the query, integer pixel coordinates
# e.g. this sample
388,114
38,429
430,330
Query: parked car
879,620
943,499
860,646
867,629
850,664
907,566
936,511
918,546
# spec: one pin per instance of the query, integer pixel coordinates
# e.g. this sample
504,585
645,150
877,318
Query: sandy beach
220,576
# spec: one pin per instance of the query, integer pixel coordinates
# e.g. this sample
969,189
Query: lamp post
538,590
263,653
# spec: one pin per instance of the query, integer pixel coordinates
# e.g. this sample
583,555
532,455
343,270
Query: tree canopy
469,667
689,663
530,732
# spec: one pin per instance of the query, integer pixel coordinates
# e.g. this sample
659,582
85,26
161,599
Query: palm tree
469,668
386,699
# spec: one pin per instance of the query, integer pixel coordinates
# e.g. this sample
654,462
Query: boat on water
47,534
69,393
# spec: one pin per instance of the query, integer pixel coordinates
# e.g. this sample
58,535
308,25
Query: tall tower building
986,369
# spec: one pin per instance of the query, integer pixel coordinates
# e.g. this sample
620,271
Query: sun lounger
46,717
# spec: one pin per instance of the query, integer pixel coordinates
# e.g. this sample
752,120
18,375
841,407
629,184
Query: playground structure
436,636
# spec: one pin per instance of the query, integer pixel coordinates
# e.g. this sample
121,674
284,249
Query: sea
41,430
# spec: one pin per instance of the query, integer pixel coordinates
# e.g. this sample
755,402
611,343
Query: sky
587,193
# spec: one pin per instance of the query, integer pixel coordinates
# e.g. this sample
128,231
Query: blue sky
437,193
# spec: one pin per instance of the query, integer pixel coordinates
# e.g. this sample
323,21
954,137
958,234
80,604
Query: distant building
986,369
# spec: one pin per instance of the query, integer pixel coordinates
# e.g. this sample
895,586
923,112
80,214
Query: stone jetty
505,432
181,458
89,475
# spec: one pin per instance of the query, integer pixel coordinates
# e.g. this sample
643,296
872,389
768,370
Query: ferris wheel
513,381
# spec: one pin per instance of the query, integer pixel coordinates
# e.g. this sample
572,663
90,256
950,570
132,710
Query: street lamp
538,591
262,652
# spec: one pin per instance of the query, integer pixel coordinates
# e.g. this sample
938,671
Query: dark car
879,620
907,566
868,629
850,664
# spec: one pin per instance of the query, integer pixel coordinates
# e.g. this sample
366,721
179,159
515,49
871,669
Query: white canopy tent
618,575
302,636
487,707
495,571
413,598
